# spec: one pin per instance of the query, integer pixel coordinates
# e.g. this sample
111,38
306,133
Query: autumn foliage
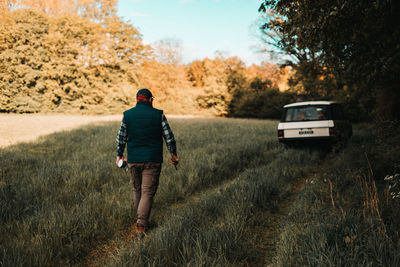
66,62
80,57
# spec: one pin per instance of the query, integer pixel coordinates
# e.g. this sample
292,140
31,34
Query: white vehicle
313,120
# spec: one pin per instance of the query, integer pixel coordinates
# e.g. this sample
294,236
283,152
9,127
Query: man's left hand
174,159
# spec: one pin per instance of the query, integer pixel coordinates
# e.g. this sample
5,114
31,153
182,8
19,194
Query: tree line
80,57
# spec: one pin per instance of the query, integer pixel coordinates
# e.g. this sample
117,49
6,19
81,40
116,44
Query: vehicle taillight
280,133
331,131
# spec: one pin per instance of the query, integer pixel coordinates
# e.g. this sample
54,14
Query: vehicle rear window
306,113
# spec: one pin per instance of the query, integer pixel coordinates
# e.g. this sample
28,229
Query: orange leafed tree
97,10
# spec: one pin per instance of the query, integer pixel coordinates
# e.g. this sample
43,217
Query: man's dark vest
143,124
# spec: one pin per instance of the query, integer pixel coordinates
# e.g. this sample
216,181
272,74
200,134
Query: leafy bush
260,104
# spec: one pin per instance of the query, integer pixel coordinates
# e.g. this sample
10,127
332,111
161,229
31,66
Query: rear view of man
142,129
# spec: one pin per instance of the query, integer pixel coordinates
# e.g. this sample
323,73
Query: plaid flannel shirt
122,137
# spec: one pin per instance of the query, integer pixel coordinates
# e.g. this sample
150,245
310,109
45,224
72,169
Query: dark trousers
145,178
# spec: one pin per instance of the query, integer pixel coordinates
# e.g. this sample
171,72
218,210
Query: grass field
238,198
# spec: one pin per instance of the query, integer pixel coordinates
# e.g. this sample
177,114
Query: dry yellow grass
15,128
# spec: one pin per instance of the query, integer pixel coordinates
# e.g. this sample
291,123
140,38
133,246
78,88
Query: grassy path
265,225
103,251
199,210
107,249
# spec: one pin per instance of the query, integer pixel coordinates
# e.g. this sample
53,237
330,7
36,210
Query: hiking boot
140,231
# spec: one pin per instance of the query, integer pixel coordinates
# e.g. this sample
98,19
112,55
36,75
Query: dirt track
15,128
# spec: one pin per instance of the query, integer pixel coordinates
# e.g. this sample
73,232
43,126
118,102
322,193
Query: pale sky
202,26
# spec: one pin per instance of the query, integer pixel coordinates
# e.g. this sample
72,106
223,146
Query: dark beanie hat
144,93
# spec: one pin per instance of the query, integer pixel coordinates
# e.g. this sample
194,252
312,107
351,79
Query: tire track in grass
106,249
123,241
227,192
266,223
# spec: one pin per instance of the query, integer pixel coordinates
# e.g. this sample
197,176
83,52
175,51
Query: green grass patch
63,194
344,216
62,197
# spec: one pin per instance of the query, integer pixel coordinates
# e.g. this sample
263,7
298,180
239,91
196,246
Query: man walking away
142,129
